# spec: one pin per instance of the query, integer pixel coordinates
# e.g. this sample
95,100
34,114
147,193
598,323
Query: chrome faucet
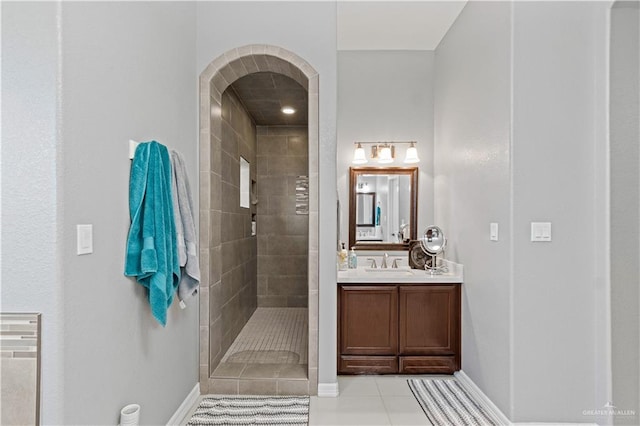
395,262
384,261
373,262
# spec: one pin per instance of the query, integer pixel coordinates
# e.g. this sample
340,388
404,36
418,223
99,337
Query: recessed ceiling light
288,110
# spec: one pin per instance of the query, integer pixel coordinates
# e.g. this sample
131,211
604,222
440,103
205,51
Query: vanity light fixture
384,152
287,110
359,156
412,154
385,156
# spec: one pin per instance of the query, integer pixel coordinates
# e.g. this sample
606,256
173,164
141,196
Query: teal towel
152,256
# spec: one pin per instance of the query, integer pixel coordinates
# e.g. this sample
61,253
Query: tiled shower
258,313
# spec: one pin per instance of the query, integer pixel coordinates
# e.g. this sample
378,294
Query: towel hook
132,148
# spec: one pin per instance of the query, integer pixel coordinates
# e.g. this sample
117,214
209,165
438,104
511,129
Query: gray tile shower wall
237,295
282,156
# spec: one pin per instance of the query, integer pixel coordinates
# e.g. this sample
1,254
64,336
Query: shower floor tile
272,335
272,343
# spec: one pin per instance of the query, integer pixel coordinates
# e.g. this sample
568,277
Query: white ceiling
395,25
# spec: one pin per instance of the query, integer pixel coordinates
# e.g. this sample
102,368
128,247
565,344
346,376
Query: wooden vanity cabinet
395,328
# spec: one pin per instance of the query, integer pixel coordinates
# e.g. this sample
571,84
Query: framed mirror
383,204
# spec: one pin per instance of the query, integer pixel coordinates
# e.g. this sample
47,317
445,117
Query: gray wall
559,76
309,30
534,313
625,202
385,96
283,235
126,71
472,183
233,303
31,279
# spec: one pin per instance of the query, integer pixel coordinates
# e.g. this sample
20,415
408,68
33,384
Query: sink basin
394,271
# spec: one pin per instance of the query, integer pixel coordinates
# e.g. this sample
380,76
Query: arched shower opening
227,258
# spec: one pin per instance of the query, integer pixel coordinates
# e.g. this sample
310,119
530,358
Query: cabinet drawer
368,365
428,364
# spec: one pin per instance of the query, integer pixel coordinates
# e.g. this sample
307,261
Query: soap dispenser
353,259
342,259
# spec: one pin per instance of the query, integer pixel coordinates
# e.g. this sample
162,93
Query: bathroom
490,160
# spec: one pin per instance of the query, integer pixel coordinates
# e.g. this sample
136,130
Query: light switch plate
541,231
493,231
84,235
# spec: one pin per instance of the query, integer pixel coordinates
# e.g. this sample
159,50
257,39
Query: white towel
185,230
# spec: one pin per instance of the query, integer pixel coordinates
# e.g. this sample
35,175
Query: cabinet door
430,319
368,320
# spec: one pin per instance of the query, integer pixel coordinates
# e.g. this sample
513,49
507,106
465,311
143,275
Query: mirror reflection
382,207
365,209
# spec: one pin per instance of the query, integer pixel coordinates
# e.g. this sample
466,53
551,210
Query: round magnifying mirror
433,241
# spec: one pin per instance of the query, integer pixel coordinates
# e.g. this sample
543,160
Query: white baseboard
475,390
328,390
186,405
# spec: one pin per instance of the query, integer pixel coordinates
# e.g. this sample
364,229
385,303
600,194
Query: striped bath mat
252,410
447,403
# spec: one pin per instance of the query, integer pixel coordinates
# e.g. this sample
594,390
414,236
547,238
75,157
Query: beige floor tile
404,410
348,410
358,386
363,400
393,386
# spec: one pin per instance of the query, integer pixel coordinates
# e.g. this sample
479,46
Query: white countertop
401,275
